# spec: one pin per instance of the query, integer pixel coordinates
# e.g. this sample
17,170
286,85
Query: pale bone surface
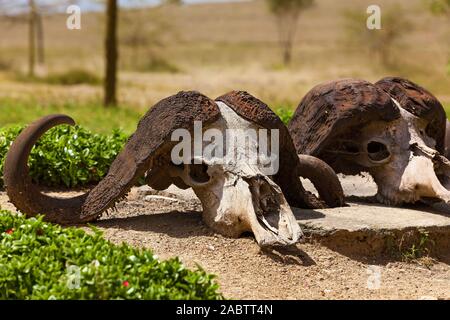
404,163
238,197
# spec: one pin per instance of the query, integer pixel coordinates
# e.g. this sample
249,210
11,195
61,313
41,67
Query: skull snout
254,204
271,219
424,174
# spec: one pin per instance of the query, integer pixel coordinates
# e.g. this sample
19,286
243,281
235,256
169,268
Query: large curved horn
151,140
19,187
323,178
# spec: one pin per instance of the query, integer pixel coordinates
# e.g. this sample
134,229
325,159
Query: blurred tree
135,35
31,37
110,98
287,13
40,39
173,2
14,12
146,31
32,12
378,43
440,7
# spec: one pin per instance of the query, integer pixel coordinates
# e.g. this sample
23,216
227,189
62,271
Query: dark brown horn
420,102
323,178
335,111
151,141
146,148
19,187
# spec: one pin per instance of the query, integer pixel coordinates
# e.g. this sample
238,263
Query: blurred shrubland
384,45
215,48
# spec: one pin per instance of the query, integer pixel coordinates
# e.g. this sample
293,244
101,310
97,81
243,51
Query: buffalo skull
393,130
238,194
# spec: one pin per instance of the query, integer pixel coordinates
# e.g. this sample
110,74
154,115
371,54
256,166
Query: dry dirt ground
307,271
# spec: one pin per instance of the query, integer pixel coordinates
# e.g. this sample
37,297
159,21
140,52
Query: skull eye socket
377,151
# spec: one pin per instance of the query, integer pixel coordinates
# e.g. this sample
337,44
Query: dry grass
220,47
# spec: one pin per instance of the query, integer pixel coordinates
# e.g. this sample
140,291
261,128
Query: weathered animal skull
237,196
394,130
238,193
402,160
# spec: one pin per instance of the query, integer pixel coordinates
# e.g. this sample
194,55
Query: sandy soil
307,271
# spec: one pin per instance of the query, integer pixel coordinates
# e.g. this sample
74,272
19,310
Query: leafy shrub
72,77
284,114
66,155
39,260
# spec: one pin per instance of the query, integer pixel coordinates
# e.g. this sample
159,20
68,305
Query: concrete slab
361,185
361,228
171,192
376,217
373,230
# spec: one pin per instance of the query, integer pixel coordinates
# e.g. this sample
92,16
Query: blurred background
275,49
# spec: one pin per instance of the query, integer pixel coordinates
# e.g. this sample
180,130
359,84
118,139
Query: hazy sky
89,4
17,6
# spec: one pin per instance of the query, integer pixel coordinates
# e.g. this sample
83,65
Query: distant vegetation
224,46
5,65
72,77
144,42
69,77
442,8
89,114
378,44
287,13
159,65
285,114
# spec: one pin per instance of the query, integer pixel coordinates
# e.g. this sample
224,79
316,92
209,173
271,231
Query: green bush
66,155
39,260
284,114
